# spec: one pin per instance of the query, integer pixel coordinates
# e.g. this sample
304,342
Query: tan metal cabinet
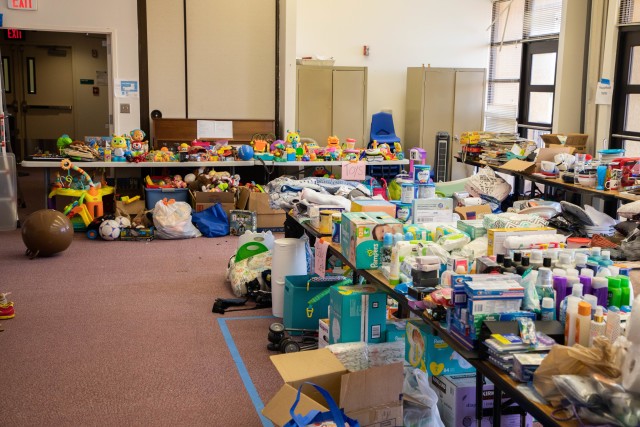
331,101
443,100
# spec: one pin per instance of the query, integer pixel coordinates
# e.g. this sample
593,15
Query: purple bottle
586,278
560,286
600,288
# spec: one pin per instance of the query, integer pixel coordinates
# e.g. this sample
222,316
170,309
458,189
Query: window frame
628,37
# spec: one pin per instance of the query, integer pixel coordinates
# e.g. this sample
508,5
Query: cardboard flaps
544,154
372,396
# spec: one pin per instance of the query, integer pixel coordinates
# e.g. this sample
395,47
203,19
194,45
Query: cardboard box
201,200
361,237
497,236
268,219
457,402
396,330
368,205
548,154
357,313
372,396
430,353
323,333
472,212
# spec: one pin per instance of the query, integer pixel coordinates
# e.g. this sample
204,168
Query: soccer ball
123,222
110,229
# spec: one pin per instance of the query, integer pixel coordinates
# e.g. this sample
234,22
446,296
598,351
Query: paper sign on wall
214,129
321,257
604,92
127,88
354,171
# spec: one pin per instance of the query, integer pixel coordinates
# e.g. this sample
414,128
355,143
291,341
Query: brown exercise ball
46,232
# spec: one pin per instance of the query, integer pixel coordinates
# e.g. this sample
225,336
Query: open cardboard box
201,200
268,219
372,396
543,154
472,212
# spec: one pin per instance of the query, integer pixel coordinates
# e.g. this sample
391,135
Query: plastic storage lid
547,302
584,308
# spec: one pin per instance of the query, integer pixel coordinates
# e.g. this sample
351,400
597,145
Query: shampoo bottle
576,292
586,277
625,291
570,322
615,292
394,267
548,309
583,323
560,286
599,288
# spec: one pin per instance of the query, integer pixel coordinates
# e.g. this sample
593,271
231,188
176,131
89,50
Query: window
625,111
522,64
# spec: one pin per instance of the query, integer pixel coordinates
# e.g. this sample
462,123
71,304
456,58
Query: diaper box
430,353
357,313
372,205
361,237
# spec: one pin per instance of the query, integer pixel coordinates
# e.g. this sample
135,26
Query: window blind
514,22
629,12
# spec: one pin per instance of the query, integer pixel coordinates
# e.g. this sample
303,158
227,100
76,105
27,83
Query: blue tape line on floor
242,369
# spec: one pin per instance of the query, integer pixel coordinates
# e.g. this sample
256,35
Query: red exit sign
23,4
13,34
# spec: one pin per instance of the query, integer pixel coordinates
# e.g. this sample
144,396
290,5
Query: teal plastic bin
306,301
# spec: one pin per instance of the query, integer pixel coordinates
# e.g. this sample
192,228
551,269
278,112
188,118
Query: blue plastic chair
382,129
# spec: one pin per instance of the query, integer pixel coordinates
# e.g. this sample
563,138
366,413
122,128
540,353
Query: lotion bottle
583,323
570,322
394,267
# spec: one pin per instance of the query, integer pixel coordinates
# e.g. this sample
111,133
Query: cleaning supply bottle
548,309
615,292
625,291
517,258
564,261
605,259
544,284
586,277
583,323
594,254
603,272
385,251
547,262
614,269
570,321
560,286
576,292
612,330
508,266
598,326
600,288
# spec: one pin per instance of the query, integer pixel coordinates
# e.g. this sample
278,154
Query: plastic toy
63,142
245,152
46,232
6,307
416,154
119,148
139,146
293,138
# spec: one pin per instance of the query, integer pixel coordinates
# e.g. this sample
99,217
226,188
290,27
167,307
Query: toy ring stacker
65,164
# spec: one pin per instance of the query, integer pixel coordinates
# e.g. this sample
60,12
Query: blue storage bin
153,195
298,312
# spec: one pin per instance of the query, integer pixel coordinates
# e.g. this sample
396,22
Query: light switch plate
125,108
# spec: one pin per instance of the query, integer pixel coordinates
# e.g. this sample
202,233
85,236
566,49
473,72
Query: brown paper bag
602,358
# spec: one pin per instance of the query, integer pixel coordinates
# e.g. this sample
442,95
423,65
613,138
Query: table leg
479,386
47,177
497,405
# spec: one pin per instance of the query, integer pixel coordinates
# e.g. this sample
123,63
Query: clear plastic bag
420,401
173,221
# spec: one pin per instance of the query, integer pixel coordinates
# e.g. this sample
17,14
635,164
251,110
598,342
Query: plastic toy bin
298,313
153,195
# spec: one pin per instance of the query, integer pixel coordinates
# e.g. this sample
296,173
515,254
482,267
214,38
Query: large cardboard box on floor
201,200
372,396
268,219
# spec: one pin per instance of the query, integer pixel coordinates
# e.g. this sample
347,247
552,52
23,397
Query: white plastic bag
173,221
420,404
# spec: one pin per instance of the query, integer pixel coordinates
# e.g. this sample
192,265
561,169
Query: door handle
26,107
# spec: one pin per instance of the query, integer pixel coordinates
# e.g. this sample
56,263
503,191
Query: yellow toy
119,148
293,139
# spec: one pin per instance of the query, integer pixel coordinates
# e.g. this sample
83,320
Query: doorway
55,83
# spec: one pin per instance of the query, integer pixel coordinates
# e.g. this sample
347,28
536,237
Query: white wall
115,17
401,34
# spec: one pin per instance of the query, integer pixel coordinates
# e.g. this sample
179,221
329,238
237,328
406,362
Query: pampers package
430,353
357,313
361,236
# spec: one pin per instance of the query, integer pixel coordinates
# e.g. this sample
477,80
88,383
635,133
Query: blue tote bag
334,415
212,222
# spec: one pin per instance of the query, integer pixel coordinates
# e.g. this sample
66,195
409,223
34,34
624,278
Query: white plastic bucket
289,259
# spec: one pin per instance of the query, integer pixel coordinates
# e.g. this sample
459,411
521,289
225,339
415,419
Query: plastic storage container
153,195
8,192
305,301
289,259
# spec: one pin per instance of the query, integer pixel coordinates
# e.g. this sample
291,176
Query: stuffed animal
138,145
